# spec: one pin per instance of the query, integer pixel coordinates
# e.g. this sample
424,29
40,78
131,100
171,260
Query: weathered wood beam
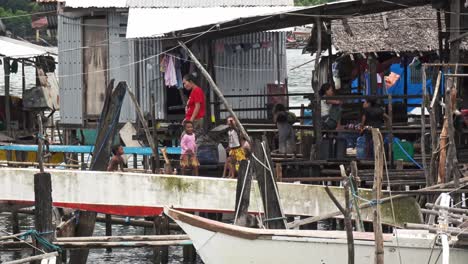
377,194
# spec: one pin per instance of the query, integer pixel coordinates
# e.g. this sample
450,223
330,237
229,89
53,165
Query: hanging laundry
163,63
170,76
256,45
178,66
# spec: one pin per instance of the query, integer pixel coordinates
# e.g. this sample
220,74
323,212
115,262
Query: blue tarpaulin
399,86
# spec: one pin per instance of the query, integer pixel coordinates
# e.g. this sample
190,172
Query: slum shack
30,88
99,42
381,58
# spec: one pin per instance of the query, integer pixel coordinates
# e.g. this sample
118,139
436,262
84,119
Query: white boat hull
215,247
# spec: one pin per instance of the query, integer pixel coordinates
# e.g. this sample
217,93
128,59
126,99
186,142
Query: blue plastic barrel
361,148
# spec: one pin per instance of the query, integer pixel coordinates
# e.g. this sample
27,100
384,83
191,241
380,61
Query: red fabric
196,96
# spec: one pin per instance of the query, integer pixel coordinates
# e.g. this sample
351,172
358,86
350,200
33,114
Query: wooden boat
139,194
217,242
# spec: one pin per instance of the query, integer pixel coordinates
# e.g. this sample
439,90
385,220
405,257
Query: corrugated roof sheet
155,22
21,49
96,3
207,3
173,3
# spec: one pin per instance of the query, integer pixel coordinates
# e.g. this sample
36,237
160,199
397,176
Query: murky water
299,82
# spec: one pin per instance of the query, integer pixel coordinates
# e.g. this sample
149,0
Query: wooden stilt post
15,222
190,255
377,191
108,229
43,196
161,227
155,159
6,70
317,102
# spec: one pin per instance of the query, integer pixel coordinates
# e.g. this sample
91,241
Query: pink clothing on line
187,143
170,76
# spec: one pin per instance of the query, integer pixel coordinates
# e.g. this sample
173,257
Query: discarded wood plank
216,90
264,172
34,258
244,184
377,193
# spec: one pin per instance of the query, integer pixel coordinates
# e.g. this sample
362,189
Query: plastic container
361,152
208,154
308,117
399,149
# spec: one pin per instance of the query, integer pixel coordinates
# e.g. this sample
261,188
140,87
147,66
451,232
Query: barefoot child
189,150
117,160
236,151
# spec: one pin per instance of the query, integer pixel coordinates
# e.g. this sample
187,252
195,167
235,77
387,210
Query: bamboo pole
433,123
143,121
317,105
135,238
216,90
423,126
313,219
377,193
347,215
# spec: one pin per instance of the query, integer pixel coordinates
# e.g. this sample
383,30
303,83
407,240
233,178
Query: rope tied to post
38,237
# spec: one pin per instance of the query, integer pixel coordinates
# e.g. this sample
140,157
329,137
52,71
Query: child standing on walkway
236,151
189,150
117,162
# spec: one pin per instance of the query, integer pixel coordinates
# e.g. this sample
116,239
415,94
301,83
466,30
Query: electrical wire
29,14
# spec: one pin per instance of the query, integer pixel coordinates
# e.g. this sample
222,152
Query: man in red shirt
196,105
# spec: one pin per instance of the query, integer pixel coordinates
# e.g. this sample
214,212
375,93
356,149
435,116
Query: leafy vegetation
16,18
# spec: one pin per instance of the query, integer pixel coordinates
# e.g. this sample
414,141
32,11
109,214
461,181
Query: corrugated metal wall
70,70
149,80
249,69
121,58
